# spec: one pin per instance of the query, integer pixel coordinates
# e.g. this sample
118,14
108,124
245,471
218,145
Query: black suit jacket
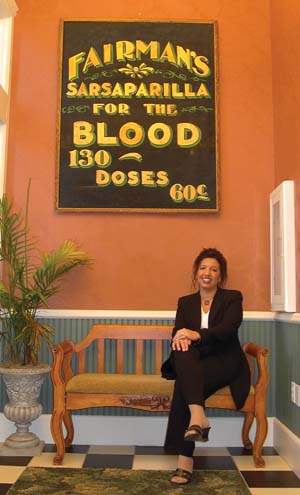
221,336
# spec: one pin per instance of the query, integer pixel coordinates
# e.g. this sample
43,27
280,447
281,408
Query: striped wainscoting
287,371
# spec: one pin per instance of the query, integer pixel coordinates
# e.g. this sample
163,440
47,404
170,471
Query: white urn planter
23,386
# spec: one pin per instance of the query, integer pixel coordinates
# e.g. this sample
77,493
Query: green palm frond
27,286
55,264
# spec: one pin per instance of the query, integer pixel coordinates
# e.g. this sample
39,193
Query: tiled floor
275,479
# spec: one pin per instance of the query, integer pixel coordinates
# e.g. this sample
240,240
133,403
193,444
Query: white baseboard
287,445
130,430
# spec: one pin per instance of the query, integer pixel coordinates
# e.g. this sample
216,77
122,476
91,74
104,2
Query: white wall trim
125,313
259,315
8,9
132,430
157,315
104,313
288,317
287,445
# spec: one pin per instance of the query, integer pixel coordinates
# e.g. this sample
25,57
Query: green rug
92,481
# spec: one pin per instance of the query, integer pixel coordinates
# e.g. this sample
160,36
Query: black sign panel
137,117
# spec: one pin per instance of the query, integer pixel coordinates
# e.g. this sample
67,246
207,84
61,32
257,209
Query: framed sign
137,126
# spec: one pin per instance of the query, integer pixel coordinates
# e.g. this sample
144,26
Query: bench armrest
260,354
255,350
62,371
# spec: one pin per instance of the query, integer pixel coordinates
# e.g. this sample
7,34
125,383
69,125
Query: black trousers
198,377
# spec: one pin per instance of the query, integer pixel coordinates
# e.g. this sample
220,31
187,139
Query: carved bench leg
248,420
68,422
261,433
58,437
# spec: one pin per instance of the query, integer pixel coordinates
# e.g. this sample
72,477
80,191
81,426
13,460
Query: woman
206,355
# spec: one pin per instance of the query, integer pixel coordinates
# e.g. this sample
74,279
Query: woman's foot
183,473
198,426
196,433
181,477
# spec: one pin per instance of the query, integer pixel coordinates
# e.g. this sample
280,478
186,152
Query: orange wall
143,261
285,17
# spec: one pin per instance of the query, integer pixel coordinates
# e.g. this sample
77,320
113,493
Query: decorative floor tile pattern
14,461
46,460
10,474
275,479
214,462
271,479
246,452
273,463
274,491
152,462
108,461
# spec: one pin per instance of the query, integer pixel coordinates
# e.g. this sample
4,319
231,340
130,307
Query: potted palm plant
25,286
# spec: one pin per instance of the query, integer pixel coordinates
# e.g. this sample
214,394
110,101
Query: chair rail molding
137,314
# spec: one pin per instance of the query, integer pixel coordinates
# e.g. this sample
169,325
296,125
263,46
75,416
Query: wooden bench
149,392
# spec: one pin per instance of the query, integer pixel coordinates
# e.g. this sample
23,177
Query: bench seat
113,383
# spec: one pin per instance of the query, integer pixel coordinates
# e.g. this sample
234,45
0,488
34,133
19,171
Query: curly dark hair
211,253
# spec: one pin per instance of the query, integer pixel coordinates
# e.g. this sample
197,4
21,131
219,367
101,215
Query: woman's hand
183,339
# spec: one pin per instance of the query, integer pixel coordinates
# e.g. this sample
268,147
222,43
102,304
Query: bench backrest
121,333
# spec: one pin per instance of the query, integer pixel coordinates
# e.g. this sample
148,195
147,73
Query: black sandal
201,434
182,473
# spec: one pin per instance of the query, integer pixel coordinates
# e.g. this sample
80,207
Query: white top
204,319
